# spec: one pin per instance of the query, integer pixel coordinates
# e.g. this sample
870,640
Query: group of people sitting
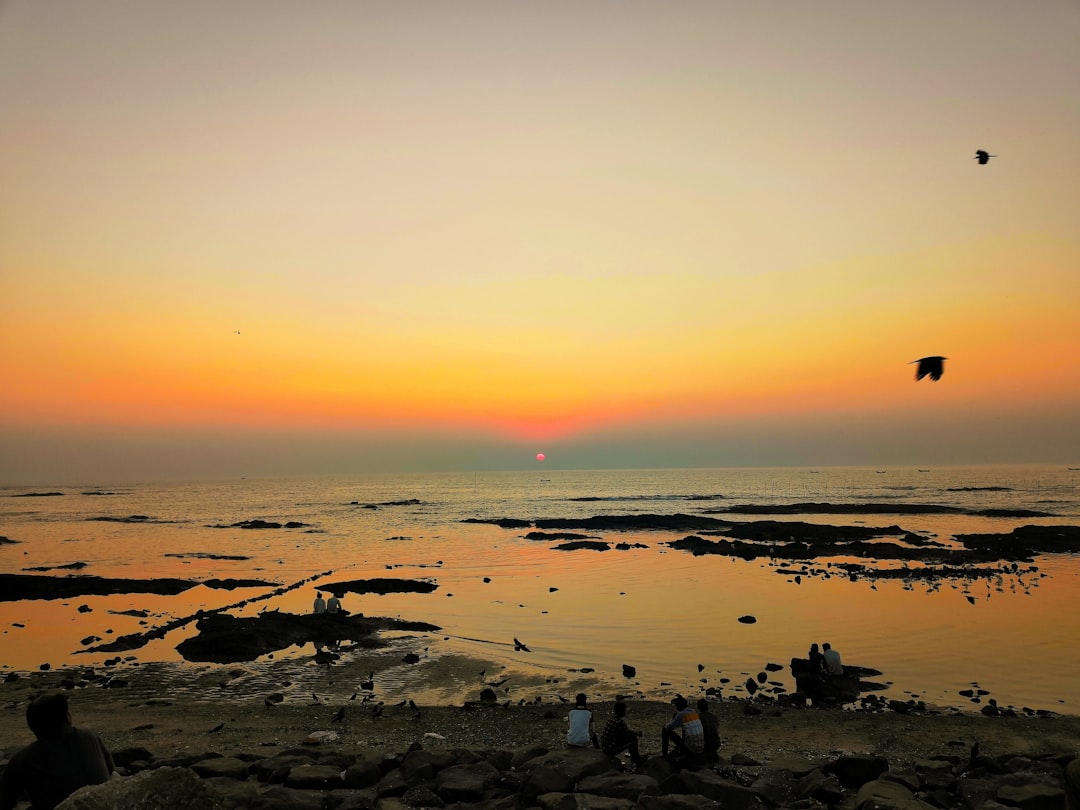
691,736
331,605
825,662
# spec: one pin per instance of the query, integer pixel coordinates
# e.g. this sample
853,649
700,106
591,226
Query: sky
281,238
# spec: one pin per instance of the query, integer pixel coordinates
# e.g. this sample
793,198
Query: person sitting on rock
832,660
710,725
684,731
333,604
580,733
817,661
64,758
320,603
618,737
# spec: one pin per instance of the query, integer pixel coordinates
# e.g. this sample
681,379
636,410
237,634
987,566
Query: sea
681,621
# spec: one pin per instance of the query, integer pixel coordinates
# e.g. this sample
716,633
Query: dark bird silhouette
932,367
376,712
216,729
983,156
339,715
519,646
971,599
353,696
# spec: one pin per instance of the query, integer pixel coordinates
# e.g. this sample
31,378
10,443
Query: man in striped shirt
684,731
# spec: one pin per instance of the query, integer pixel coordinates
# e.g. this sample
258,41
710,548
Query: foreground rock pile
321,778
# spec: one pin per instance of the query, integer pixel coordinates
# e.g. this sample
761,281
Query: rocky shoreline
233,748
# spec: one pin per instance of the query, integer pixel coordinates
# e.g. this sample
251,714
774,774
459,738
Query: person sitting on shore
64,758
580,733
710,725
832,660
817,661
320,603
333,604
618,737
684,731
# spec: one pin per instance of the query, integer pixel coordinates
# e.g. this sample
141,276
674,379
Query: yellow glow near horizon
536,223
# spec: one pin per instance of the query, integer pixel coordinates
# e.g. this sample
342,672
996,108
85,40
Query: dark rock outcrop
27,586
226,639
380,585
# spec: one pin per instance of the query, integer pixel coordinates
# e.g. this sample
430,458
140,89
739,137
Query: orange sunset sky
262,237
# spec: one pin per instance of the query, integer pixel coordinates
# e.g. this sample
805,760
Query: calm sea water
663,611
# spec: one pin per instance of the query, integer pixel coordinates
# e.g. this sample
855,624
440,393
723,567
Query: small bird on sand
339,715
216,729
983,156
933,367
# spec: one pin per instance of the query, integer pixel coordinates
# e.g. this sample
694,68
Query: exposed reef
380,585
14,587
226,639
813,508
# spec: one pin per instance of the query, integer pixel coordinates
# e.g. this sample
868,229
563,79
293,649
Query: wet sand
173,711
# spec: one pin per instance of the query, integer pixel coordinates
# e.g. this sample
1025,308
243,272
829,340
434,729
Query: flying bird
983,156
933,367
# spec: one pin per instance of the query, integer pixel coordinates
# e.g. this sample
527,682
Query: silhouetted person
710,725
983,156
64,758
333,604
832,660
817,660
580,733
933,367
320,603
618,737
683,731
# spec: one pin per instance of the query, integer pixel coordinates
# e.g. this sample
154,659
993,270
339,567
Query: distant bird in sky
983,156
933,367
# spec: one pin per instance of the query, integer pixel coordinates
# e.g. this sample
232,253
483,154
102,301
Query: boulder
315,777
363,774
275,769
422,796
581,801
882,795
1032,796
576,763
161,789
676,802
731,795
544,779
466,783
421,765
228,767
855,770
627,786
